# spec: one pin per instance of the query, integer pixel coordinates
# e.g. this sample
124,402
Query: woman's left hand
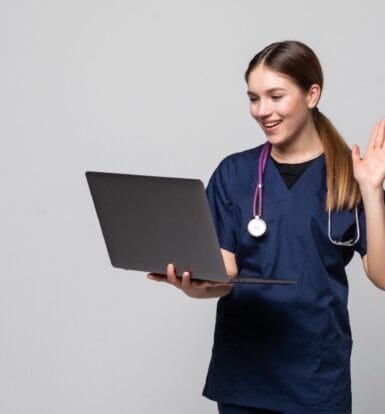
370,170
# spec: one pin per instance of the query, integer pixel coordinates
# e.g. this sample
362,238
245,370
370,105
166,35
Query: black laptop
148,222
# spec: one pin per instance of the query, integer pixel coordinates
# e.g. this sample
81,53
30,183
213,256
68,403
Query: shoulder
242,159
236,168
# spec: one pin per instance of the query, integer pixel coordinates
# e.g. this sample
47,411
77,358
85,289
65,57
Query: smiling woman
280,349
293,70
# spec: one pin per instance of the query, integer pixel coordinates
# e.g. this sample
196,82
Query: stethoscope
257,225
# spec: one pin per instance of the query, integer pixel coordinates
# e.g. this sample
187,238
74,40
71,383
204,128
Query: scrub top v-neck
290,173
284,348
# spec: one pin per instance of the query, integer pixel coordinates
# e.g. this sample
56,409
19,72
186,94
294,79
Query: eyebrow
268,90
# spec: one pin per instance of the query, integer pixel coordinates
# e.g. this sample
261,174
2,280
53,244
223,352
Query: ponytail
343,189
298,61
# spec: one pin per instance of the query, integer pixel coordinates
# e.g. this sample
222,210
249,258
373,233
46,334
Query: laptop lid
148,222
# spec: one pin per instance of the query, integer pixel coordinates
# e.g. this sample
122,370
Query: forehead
263,78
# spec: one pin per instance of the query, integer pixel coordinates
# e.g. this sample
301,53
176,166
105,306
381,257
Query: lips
271,125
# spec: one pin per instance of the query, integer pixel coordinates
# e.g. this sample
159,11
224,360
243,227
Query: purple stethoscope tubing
258,197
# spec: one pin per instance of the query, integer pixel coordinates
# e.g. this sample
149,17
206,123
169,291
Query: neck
295,159
301,149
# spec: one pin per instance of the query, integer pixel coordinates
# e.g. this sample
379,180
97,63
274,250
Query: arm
370,174
200,289
374,260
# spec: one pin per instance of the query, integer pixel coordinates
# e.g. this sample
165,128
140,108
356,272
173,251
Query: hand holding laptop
147,223
198,289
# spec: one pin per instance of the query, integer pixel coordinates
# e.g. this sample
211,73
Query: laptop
149,221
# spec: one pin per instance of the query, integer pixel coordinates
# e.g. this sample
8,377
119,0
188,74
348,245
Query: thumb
356,157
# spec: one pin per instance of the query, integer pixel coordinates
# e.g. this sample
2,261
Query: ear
313,96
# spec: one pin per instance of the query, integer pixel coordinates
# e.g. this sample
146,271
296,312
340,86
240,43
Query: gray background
156,88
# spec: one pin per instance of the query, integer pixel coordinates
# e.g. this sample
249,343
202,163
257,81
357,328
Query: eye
277,97
252,98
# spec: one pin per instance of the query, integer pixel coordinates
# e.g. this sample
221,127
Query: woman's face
280,107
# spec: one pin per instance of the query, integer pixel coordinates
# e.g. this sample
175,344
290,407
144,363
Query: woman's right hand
193,288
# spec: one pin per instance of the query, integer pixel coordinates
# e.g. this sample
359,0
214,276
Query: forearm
373,199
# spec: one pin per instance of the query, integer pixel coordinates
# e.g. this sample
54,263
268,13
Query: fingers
186,281
190,287
381,134
171,276
157,277
373,136
356,154
188,284
377,137
220,284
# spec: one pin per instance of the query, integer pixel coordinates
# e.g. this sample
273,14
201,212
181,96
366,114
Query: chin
276,140
280,139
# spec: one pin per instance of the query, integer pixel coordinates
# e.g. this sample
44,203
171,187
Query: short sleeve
221,206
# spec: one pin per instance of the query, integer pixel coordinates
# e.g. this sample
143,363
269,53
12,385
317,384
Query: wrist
371,192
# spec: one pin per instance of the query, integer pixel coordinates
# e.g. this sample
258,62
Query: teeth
270,124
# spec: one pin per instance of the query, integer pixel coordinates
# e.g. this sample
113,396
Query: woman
286,349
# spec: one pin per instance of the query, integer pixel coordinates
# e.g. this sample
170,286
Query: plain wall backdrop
151,87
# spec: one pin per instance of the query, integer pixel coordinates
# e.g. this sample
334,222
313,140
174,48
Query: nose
261,109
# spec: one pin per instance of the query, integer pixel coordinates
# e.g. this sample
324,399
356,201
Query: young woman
286,349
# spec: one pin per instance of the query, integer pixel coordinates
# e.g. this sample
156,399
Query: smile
271,124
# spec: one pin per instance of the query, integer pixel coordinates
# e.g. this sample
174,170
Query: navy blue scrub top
284,348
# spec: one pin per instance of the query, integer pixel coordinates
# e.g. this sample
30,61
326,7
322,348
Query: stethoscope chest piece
257,226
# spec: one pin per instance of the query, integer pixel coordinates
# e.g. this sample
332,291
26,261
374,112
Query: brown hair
300,63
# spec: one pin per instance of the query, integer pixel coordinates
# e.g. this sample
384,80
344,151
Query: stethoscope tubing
258,199
258,193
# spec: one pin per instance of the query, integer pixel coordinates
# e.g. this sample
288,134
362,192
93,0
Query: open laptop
148,222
